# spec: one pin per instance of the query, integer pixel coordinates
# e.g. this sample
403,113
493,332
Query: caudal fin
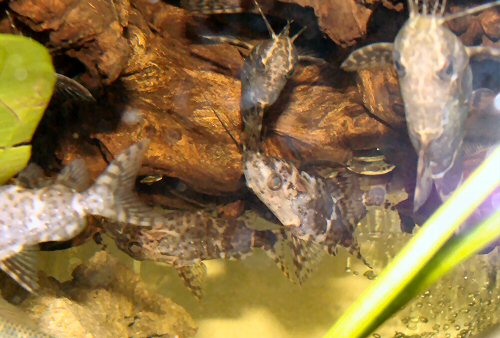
112,195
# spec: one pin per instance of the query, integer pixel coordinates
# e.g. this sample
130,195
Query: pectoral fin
483,53
22,268
193,277
229,40
371,56
295,257
71,89
306,257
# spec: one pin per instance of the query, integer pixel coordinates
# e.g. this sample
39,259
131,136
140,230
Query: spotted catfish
436,85
185,239
320,213
57,211
264,75
266,69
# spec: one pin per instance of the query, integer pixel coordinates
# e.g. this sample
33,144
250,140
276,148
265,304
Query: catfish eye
274,182
400,69
134,247
447,72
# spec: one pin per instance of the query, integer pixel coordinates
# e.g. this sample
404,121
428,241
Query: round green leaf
27,79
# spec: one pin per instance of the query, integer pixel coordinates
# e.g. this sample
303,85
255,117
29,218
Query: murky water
251,298
174,72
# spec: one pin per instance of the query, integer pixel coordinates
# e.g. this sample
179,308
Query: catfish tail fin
112,195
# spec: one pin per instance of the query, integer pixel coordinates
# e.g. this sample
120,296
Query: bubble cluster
464,303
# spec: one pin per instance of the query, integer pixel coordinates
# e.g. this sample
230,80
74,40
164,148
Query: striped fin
193,277
22,268
116,187
232,40
71,89
216,6
279,253
371,56
306,256
295,257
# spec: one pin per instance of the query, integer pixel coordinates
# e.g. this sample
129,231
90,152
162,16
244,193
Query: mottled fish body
184,240
436,96
58,211
265,73
266,69
314,210
436,85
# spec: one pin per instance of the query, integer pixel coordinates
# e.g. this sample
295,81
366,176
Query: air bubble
370,274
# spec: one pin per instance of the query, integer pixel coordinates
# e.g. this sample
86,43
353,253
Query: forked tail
112,195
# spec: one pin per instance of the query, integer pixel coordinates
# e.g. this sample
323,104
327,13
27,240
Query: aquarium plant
429,255
27,79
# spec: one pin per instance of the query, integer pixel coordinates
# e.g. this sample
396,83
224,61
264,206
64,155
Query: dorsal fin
75,176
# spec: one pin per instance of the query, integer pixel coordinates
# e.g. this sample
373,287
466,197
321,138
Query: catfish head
436,86
289,193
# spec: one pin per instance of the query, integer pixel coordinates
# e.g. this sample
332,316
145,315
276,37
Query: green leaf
27,79
13,160
427,256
